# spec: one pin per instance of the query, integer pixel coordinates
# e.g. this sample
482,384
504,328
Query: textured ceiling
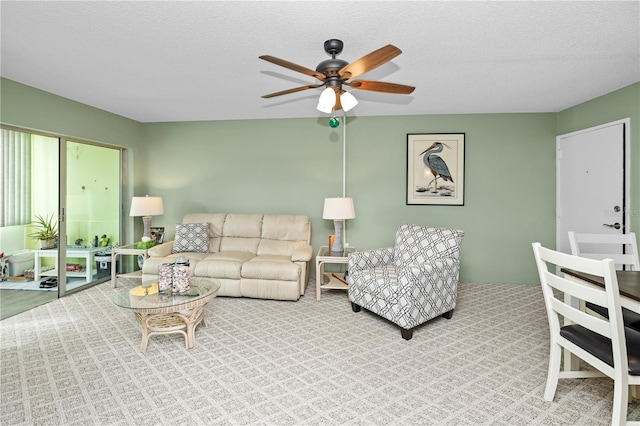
186,61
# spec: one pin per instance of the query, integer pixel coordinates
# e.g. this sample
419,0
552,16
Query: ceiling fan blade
295,89
381,86
369,62
293,66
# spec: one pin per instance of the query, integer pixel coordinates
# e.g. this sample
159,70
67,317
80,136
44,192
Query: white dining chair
598,246
604,343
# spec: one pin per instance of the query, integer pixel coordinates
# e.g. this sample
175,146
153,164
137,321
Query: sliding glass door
72,188
29,168
92,218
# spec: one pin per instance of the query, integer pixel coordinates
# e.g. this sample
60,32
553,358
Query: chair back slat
579,289
578,316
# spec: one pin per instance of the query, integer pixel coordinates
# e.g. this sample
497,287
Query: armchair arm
438,273
302,254
368,259
161,250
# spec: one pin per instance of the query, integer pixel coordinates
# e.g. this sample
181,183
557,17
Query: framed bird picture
435,169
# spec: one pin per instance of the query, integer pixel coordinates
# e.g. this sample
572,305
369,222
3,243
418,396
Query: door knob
615,225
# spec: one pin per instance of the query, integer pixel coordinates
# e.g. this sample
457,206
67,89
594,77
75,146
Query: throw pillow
191,237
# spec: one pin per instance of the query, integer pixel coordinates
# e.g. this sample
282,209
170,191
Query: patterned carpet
76,361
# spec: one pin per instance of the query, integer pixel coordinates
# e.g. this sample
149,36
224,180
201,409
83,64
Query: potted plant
46,230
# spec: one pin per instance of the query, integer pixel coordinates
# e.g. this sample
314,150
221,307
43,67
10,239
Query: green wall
35,109
291,165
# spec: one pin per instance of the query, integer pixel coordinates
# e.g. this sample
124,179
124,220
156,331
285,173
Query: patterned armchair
412,282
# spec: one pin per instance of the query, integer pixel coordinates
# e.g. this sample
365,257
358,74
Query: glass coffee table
160,313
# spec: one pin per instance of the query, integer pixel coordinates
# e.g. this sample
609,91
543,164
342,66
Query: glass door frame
64,210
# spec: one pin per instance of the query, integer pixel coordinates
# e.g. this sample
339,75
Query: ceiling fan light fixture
327,100
327,109
348,101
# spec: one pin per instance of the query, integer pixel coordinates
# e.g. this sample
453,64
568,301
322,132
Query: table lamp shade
338,209
146,207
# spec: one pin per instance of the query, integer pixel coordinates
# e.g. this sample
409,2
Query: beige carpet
76,361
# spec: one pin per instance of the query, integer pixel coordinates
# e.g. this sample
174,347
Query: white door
592,186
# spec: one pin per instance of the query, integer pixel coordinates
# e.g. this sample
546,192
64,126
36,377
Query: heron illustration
436,164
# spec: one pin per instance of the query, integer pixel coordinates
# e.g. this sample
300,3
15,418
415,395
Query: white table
87,253
130,249
336,281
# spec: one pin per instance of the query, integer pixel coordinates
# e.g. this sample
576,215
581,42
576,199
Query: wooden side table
130,249
323,257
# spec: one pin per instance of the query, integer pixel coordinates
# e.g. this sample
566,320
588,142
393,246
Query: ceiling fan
335,73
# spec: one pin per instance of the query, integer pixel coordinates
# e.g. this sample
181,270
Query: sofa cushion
249,245
236,256
281,248
218,268
151,264
271,267
191,237
285,227
242,225
226,264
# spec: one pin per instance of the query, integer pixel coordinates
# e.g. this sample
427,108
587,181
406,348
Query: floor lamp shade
338,209
146,207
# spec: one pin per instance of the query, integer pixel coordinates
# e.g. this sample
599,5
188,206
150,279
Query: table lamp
338,209
146,207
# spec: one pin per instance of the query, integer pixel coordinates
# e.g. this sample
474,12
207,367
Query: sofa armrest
370,259
302,254
161,250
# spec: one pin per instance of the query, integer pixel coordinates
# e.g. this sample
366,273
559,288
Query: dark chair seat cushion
600,346
630,318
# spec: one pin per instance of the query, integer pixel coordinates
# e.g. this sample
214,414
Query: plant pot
48,244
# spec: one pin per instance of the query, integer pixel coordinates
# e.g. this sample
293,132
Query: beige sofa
252,255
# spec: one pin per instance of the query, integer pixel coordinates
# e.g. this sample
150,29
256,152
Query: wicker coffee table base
184,322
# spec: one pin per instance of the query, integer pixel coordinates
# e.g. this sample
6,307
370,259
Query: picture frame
157,233
435,169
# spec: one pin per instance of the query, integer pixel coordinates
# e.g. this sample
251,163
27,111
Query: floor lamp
340,209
